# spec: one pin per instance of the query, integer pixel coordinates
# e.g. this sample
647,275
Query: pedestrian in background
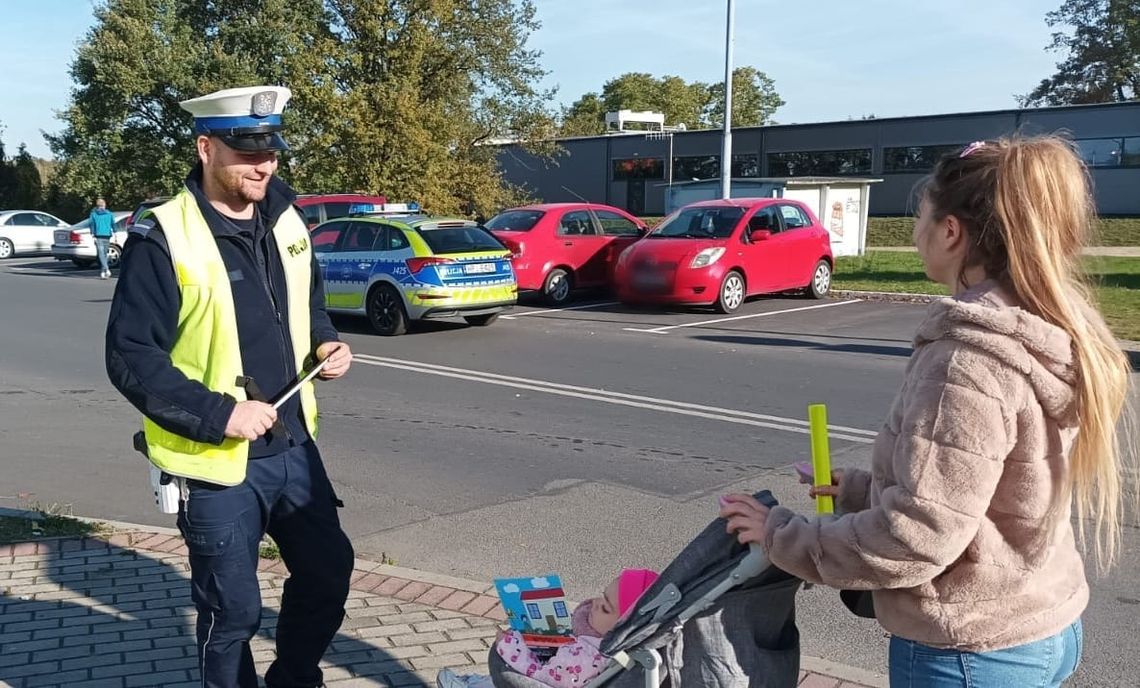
218,311
1009,409
102,229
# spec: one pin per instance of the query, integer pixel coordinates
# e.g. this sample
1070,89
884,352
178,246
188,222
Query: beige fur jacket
953,528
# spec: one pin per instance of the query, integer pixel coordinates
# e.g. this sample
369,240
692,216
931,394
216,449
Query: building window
745,165
533,612
915,158
1101,152
820,163
639,168
1130,152
693,167
560,610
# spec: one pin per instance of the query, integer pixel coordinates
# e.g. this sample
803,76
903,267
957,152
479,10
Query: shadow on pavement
100,611
873,349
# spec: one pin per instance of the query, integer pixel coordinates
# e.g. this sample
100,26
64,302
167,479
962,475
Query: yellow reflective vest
207,348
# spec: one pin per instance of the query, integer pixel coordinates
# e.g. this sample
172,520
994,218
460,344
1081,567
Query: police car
395,265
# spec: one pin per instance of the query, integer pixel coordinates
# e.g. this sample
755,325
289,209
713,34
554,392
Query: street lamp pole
726,150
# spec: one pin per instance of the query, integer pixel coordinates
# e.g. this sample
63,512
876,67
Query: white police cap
244,118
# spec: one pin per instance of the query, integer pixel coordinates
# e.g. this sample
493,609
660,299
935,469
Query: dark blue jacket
102,223
144,321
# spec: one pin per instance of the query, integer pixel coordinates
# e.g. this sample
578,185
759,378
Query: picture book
536,607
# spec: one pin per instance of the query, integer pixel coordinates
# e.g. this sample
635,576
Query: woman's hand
746,518
831,490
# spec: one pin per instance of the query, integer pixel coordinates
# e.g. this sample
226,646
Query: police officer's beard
234,187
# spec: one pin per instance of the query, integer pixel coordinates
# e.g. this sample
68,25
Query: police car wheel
386,312
481,320
556,288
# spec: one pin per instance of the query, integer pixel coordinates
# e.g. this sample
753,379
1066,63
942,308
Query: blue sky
831,59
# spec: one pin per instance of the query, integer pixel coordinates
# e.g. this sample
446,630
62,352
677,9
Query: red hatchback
558,247
721,252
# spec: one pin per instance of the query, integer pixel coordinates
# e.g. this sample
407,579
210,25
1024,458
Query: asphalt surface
577,441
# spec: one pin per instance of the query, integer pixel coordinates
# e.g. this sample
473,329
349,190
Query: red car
558,247
320,208
721,252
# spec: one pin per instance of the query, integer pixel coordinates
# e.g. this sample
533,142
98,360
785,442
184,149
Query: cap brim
271,141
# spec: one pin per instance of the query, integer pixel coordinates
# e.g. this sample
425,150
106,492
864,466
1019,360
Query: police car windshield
515,220
709,222
458,239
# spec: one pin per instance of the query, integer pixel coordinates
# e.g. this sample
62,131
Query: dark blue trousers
289,496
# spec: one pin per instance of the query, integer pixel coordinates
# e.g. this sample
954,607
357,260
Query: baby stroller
719,615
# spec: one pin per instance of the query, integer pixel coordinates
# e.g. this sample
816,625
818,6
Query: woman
1008,409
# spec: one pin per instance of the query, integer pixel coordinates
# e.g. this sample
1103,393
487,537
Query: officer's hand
250,420
339,359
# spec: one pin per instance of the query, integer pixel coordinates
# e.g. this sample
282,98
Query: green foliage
1116,283
897,231
390,96
697,105
1101,43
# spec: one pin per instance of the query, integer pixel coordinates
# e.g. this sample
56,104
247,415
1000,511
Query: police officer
219,286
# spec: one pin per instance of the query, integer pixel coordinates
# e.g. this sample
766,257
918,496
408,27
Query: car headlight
707,257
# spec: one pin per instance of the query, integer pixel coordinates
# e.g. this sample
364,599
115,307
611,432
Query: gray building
632,170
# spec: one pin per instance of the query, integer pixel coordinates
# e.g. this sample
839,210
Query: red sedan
558,247
721,252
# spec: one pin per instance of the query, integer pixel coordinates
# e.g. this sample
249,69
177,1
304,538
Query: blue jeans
101,244
1040,664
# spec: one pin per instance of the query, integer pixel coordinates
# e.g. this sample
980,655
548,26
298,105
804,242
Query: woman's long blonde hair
1028,210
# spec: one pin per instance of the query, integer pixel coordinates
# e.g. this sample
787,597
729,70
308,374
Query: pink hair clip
971,148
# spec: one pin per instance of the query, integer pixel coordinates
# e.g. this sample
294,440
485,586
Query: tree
392,96
28,185
1102,46
585,117
754,99
696,105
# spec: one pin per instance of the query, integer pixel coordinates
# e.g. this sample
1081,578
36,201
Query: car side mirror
642,230
760,235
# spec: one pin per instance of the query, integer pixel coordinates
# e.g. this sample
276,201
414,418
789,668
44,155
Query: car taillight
417,264
75,238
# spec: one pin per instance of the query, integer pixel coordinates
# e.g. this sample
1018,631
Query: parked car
721,252
320,208
146,205
27,231
77,245
395,269
559,247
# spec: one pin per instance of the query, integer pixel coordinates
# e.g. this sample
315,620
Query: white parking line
727,415
663,330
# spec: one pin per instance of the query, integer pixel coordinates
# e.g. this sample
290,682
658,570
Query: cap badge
264,103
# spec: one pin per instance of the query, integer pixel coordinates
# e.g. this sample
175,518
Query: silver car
77,245
27,231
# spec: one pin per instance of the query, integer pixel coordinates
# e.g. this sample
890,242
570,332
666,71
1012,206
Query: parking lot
574,440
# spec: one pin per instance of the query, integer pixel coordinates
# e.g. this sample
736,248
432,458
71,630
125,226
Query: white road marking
632,400
663,330
583,307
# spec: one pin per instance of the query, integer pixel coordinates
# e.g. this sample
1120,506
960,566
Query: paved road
577,440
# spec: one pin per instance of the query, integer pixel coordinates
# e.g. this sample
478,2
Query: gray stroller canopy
719,615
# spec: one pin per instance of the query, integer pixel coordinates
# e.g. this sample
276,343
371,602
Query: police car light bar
383,208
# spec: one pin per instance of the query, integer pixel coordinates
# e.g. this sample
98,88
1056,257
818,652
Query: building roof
876,120
542,594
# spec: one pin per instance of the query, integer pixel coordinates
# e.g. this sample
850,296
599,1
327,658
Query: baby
578,662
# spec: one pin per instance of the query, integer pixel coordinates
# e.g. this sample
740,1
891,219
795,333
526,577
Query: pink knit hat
632,583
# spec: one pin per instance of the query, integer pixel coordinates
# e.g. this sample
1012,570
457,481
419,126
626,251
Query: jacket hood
101,211
989,317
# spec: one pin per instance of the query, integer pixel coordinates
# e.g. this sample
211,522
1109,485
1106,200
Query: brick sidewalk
116,613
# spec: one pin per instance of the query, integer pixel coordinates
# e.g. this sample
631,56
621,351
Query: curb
899,297
450,593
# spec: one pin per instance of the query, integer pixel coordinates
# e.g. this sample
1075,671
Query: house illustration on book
546,608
